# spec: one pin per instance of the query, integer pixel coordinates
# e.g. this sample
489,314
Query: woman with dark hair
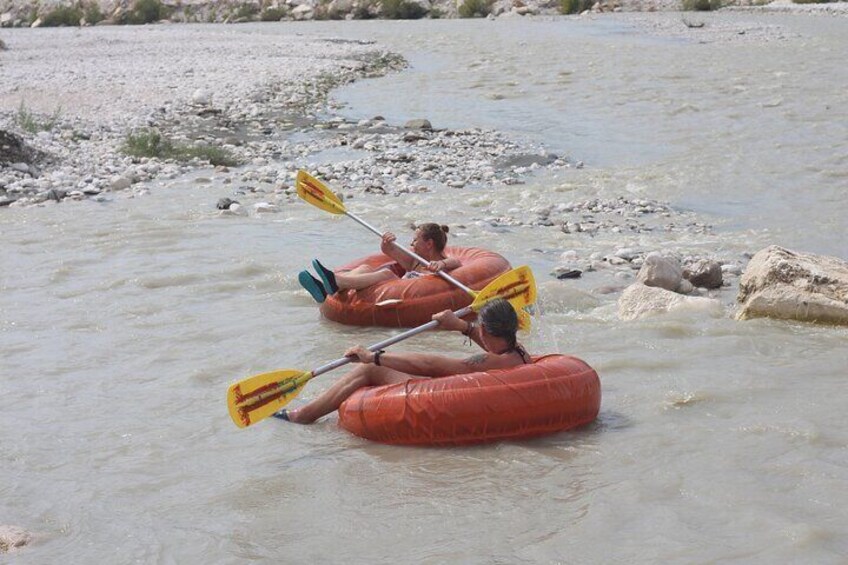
495,334
429,243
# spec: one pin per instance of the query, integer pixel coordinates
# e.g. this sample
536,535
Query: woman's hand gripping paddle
257,397
319,194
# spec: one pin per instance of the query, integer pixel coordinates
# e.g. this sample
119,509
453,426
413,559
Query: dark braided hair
436,233
499,319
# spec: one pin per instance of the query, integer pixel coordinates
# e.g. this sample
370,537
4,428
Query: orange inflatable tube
554,393
407,303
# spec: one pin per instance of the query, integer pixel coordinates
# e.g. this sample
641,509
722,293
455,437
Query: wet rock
659,271
704,273
639,301
12,538
566,273
685,287
55,194
225,203
418,124
779,283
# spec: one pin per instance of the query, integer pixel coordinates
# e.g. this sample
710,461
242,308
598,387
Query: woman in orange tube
429,242
496,334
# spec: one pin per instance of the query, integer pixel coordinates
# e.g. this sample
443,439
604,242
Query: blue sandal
312,285
282,415
327,276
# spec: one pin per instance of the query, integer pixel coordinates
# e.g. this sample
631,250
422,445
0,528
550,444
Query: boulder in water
639,301
784,284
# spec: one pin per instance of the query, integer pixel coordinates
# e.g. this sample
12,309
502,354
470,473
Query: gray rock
704,273
225,203
567,273
418,124
120,183
685,287
55,194
779,283
659,271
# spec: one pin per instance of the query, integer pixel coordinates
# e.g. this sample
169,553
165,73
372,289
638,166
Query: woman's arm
449,321
448,264
431,365
389,247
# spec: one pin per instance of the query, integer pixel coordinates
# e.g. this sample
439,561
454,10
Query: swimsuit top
525,357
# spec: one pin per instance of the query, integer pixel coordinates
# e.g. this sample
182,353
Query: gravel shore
73,96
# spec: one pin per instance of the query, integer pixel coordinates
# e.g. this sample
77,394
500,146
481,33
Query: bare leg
332,398
358,270
363,279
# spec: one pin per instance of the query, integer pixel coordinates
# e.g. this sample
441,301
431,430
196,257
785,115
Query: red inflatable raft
554,393
406,303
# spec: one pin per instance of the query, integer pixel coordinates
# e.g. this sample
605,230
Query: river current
123,322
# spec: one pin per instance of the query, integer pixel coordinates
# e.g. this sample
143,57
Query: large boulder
779,283
639,301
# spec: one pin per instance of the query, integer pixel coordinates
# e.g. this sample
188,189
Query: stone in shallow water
659,271
704,273
225,203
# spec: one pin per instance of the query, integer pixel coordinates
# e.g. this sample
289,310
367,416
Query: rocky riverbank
87,129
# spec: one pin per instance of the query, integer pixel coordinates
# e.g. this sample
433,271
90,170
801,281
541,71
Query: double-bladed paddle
317,193
255,398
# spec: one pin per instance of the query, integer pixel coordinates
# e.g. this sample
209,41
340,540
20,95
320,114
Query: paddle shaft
385,343
412,254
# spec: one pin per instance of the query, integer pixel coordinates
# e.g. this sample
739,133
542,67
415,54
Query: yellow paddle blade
524,320
518,286
257,397
317,193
